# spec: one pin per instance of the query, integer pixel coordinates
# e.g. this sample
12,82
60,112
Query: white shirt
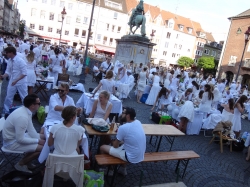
233,87
130,80
108,85
1,42
69,50
66,138
15,68
54,101
228,96
37,52
152,70
76,63
23,47
133,136
96,70
221,86
106,67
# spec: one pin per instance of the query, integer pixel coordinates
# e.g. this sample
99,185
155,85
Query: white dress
187,111
206,104
108,85
142,81
174,86
100,113
154,91
167,81
31,76
66,138
236,120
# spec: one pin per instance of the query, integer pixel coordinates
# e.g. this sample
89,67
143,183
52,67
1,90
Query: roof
209,37
243,14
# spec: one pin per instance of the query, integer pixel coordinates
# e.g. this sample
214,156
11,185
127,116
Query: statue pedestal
134,47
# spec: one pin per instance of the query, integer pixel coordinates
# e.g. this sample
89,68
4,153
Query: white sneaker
23,168
122,171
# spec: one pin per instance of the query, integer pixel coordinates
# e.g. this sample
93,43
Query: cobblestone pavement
211,169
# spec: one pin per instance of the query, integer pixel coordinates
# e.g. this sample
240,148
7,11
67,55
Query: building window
113,5
50,29
181,27
195,60
218,55
53,2
107,26
175,46
198,52
247,62
59,18
66,33
168,35
190,30
164,53
239,30
76,32
78,19
33,12
32,26
40,28
58,31
83,34
119,29
213,53
180,46
93,22
105,40
200,44
173,55
85,20
88,8
51,16
42,14
166,44
188,50
206,51
232,61
44,1
62,3
99,36
111,41
177,36
170,25
68,20
70,6
115,15
80,6
113,28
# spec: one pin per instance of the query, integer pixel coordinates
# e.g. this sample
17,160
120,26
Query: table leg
171,141
159,143
41,89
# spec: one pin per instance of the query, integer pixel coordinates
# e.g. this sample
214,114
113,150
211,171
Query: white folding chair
4,150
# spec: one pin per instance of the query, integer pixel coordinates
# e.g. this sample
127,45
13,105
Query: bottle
112,124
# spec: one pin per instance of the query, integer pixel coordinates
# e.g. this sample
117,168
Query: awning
104,48
47,37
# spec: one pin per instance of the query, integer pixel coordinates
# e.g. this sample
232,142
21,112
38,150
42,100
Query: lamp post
82,76
63,13
247,34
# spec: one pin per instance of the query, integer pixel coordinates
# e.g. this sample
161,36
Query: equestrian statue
138,19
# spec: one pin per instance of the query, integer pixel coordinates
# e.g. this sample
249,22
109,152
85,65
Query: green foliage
206,63
185,61
22,27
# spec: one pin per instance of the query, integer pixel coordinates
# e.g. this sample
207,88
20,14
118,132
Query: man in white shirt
106,66
76,64
37,52
221,86
233,87
96,69
19,133
57,103
69,50
132,137
228,95
203,83
24,46
17,71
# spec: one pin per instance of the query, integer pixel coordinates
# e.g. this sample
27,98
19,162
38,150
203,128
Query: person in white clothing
96,69
37,52
76,64
17,71
132,139
66,136
207,99
221,86
19,133
233,87
106,66
24,46
228,95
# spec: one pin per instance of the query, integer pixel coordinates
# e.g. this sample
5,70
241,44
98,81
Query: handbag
100,128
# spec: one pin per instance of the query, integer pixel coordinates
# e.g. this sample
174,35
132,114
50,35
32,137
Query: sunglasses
59,90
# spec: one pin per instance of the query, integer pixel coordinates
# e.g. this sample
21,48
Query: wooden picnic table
169,131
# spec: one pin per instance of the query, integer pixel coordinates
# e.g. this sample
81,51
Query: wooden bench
182,157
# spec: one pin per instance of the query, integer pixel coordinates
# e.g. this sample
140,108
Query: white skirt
153,95
31,77
187,111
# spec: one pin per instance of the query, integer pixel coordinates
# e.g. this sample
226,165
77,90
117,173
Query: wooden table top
149,129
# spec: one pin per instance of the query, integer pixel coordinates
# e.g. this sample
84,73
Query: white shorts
118,152
23,147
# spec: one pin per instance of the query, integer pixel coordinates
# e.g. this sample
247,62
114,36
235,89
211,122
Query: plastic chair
65,166
4,150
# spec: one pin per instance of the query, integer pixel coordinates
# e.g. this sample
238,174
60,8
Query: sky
211,14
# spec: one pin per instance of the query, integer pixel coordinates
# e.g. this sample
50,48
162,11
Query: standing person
174,85
76,64
31,68
141,83
19,133
207,99
132,137
239,109
221,86
154,90
138,69
17,71
106,66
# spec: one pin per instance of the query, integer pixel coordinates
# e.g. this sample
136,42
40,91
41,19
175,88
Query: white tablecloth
46,149
86,101
123,89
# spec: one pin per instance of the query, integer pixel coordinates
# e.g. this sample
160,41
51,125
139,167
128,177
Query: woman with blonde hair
107,84
31,68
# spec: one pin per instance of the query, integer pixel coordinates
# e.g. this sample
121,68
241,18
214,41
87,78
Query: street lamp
247,34
63,13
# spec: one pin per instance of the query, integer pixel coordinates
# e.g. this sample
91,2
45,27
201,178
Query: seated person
186,114
243,91
163,97
198,99
187,95
132,137
19,133
66,137
101,107
228,95
229,107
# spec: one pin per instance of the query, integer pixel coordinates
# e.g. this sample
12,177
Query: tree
206,62
22,28
185,61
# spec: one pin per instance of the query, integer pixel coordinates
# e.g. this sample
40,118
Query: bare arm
240,108
51,139
92,114
116,143
97,88
108,112
78,145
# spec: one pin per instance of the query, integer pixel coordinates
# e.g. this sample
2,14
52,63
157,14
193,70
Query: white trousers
11,90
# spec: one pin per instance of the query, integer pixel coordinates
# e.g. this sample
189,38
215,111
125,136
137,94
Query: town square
124,93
